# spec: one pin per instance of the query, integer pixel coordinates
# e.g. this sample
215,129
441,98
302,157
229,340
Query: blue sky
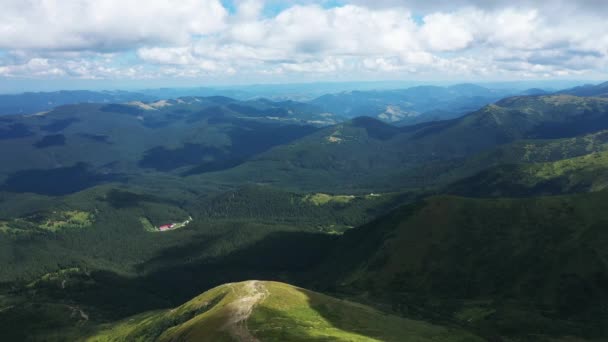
54,44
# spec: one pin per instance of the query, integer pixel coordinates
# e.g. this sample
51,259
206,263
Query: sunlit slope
271,311
581,174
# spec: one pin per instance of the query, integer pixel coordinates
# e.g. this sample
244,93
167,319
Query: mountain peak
272,311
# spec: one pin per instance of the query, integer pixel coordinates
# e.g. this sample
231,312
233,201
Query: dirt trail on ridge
241,309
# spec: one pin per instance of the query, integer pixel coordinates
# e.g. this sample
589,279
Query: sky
213,42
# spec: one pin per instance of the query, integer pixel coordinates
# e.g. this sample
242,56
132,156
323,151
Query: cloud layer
125,39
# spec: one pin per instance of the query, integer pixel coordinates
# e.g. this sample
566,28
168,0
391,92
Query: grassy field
271,311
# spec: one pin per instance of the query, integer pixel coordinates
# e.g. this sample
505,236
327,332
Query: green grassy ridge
515,118
535,151
523,152
282,312
600,90
206,309
580,174
530,266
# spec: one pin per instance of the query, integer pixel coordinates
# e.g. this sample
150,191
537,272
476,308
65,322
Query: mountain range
304,221
387,102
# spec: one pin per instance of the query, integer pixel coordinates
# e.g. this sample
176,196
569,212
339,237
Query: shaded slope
182,136
505,266
336,157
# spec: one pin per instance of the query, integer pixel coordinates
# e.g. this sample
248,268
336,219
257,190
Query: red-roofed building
165,227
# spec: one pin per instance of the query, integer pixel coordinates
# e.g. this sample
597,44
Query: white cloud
301,34
426,6
447,32
35,66
177,55
106,24
190,38
249,9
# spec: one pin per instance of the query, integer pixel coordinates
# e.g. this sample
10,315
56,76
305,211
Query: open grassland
293,314
54,221
271,311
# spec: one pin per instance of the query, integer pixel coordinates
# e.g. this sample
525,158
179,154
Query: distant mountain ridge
600,90
298,141
360,150
393,108
28,103
411,105
402,106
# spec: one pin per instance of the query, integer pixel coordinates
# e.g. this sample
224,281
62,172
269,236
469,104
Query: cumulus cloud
591,6
302,33
194,38
107,24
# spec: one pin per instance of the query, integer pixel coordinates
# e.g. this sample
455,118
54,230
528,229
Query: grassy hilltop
271,311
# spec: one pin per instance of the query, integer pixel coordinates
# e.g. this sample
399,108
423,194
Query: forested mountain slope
365,154
268,190
91,144
511,266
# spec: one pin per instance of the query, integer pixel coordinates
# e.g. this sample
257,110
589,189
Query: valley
211,218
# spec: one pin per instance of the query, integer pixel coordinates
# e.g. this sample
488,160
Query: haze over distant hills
600,90
382,100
